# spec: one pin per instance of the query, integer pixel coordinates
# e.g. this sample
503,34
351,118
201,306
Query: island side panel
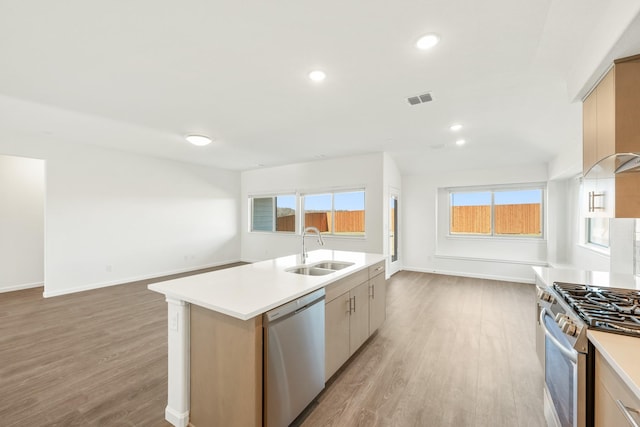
226,370
177,410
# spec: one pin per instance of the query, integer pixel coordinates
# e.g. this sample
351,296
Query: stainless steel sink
333,265
320,268
310,271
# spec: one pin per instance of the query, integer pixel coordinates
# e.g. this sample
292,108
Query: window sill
297,235
498,260
274,233
595,248
540,240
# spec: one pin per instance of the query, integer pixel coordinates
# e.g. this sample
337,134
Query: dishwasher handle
293,307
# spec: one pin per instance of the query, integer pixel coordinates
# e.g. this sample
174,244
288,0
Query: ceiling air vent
420,99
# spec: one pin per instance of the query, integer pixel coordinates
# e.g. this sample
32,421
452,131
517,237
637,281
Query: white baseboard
176,418
21,287
125,280
473,275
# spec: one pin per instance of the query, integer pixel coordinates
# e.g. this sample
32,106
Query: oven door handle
571,354
627,413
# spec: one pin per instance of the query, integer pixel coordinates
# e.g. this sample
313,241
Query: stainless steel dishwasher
293,358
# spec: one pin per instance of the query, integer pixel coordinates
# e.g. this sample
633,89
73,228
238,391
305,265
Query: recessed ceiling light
199,140
427,41
460,142
455,128
317,75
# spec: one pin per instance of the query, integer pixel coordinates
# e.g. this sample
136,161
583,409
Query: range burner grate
609,309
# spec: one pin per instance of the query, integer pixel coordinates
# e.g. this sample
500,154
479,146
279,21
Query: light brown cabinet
225,369
359,316
336,330
377,298
355,307
612,396
611,126
598,122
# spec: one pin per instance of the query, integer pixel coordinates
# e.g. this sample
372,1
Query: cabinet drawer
609,388
376,269
338,288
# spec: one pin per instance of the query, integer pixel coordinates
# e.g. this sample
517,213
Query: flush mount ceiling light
427,41
199,140
455,128
317,75
460,142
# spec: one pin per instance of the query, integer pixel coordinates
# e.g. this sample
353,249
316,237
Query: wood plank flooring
453,352
93,358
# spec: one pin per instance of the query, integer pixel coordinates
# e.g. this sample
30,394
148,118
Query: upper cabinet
598,122
611,126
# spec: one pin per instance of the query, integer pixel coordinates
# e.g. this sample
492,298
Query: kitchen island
215,332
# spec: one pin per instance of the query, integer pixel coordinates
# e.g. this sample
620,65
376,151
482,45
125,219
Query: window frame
493,189
588,231
274,197
584,221
333,192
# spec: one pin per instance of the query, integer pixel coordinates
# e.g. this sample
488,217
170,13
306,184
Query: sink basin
333,265
310,271
320,268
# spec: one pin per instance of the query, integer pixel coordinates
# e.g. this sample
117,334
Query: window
471,213
273,213
339,213
597,230
496,212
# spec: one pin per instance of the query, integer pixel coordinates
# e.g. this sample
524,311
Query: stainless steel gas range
565,312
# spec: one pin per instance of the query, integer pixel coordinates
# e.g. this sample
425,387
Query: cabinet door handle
626,411
373,291
590,201
354,303
349,308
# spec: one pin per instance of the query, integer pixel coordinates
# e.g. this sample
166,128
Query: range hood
615,164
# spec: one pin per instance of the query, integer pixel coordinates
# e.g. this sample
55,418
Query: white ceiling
139,75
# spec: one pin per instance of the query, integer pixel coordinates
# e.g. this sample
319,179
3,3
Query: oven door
564,377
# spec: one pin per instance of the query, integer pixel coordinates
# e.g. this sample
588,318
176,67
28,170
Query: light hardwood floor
93,358
453,352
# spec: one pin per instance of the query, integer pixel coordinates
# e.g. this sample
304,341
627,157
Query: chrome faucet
304,233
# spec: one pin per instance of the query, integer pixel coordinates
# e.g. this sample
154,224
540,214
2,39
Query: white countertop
253,289
623,354
621,351
597,278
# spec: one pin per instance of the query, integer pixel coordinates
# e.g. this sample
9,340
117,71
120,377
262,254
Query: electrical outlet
173,322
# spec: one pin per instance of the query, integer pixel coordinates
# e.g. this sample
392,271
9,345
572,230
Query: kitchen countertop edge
210,290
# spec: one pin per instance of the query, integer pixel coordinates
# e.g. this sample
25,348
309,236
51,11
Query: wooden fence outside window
345,221
516,219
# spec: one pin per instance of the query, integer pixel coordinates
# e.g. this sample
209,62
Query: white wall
114,217
427,247
347,172
21,223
